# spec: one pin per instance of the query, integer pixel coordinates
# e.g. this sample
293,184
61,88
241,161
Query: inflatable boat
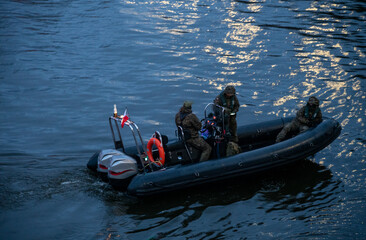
162,166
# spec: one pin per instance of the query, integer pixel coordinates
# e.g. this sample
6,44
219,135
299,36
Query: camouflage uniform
230,102
308,116
189,121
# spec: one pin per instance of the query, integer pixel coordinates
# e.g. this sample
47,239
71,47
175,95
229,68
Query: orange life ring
157,143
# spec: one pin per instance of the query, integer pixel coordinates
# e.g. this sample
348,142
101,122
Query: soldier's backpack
232,149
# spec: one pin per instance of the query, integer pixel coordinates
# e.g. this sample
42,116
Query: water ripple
64,64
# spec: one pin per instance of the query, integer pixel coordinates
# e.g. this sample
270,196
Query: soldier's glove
228,110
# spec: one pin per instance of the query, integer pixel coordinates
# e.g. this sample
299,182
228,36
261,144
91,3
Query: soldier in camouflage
308,116
189,121
230,102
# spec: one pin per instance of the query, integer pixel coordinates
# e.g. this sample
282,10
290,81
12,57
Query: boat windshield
213,123
213,110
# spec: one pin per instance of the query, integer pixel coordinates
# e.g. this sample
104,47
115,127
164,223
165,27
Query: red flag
124,118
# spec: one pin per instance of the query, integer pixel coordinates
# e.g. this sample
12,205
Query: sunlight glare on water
64,64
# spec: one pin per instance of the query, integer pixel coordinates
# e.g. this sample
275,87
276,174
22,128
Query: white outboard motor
104,159
121,171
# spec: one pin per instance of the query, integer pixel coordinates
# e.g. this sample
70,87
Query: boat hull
249,162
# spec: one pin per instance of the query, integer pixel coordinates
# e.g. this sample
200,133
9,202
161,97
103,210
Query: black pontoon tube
263,158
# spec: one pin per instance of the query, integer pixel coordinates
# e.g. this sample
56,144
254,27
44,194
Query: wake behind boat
143,170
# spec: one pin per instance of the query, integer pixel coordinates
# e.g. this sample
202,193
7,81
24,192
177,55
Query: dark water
65,63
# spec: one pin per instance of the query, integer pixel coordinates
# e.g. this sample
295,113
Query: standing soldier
230,102
308,116
189,121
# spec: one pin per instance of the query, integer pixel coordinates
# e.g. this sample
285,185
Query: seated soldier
189,121
308,116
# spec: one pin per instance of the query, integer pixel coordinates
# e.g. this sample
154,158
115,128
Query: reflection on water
64,64
322,58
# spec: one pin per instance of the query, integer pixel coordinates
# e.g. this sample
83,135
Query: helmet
313,101
187,104
230,89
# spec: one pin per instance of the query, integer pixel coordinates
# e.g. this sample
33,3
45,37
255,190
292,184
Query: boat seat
163,138
182,138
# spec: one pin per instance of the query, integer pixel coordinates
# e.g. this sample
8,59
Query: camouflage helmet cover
313,101
230,89
187,104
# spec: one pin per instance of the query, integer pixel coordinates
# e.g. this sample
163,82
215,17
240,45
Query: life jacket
224,103
314,114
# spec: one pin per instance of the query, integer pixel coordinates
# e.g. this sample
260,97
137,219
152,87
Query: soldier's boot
303,128
281,135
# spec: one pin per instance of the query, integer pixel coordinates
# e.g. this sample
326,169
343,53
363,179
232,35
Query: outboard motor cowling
104,159
121,171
